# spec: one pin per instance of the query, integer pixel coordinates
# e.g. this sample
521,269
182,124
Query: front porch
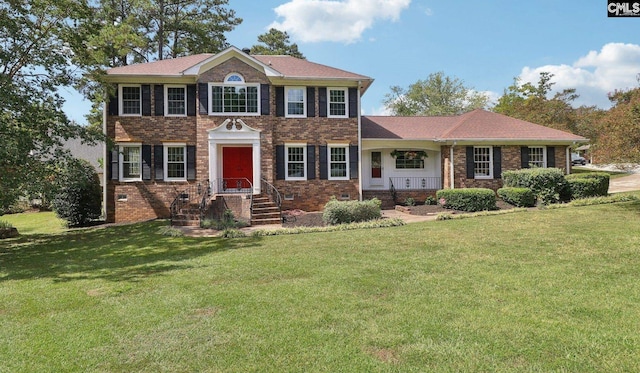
401,188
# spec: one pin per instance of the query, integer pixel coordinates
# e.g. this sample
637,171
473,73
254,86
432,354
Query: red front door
237,167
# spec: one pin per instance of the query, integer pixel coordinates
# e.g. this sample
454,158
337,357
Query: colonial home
258,134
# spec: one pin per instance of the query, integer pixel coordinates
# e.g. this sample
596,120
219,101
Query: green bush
410,201
591,184
431,200
547,184
467,199
5,224
520,197
79,199
341,212
228,221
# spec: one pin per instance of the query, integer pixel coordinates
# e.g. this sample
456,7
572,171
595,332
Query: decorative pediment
233,129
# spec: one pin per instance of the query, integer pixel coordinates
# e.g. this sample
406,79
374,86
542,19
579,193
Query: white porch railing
415,183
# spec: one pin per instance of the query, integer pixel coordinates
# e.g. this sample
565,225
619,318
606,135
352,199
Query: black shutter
353,161
203,97
322,101
311,102
471,165
146,100
279,101
353,103
114,158
524,157
497,162
265,99
280,172
191,100
551,156
146,162
158,161
191,162
324,167
158,99
113,102
311,162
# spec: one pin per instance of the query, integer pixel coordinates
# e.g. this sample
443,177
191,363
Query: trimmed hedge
591,184
79,199
341,212
547,184
467,199
519,197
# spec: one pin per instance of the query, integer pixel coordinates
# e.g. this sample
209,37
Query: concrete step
265,221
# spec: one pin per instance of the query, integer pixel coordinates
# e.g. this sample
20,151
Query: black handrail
271,191
194,193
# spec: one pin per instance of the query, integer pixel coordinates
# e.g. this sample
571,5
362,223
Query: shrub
5,224
228,221
431,200
547,184
591,184
410,201
340,212
79,199
467,199
519,197
170,231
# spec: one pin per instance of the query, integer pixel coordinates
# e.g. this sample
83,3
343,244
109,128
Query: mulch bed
436,209
299,218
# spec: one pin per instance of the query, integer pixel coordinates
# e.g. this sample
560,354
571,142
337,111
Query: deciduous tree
436,95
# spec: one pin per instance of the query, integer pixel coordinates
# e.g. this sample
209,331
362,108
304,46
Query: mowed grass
36,222
541,290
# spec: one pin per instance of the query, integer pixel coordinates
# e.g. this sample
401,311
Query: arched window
234,96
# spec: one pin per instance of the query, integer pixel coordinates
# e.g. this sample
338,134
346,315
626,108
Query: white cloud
330,20
595,75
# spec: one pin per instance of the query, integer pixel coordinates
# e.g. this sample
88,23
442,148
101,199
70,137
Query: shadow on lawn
118,253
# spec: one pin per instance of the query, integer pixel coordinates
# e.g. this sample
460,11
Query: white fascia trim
227,54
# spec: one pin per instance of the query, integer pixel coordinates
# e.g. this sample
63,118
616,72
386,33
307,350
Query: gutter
359,143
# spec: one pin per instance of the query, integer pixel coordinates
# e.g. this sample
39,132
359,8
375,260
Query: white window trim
286,161
166,99
485,177
544,155
165,161
346,102
346,152
304,102
238,84
120,100
121,161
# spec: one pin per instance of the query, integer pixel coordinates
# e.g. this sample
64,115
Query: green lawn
542,290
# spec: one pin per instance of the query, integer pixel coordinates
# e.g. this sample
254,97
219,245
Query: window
411,159
131,162
537,157
295,102
482,162
175,100
130,100
175,164
338,102
338,162
234,96
295,161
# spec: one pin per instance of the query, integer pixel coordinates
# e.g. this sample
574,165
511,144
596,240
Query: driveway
625,183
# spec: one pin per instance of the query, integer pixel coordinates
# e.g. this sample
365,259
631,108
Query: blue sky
484,43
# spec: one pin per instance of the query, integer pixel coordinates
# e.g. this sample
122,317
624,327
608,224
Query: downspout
105,164
451,172
359,142
568,159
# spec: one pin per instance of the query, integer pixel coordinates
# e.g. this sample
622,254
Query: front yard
540,290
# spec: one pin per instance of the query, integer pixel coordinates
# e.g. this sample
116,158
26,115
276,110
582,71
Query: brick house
245,132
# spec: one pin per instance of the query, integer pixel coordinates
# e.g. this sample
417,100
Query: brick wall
511,160
151,199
